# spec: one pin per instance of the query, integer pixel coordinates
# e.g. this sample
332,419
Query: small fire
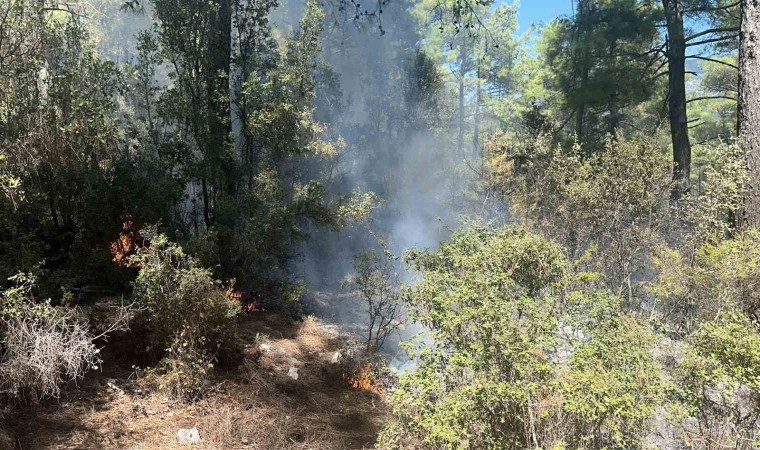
127,243
365,379
251,307
247,305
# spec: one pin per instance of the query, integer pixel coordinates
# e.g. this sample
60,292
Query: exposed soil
258,406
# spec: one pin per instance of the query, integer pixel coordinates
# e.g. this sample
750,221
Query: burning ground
258,406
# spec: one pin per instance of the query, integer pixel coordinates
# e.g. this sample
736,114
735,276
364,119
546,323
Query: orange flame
127,243
364,379
251,307
246,305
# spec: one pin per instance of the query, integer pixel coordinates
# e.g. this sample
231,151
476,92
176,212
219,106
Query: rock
188,436
293,373
335,358
265,347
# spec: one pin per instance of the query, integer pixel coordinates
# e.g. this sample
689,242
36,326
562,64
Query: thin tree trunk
460,137
476,147
206,205
679,130
580,115
749,108
614,118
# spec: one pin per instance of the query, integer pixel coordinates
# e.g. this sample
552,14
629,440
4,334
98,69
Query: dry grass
256,407
43,353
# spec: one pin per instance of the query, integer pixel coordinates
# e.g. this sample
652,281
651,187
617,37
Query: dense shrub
718,400
615,201
714,305
515,362
188,319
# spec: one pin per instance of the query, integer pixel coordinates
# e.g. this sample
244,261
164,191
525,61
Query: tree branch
712,30
711,97
708,41
713,9
703,58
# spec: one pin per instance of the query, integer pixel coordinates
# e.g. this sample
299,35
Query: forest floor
257,406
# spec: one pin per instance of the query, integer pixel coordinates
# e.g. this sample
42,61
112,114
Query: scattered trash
293,373
336,358
188,436
111,384
265,347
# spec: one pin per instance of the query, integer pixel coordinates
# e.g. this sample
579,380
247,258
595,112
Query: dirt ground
258,406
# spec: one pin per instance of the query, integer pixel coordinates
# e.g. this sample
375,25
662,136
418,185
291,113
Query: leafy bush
186,368
514,361
615,201
187,316
611,386
715,295
713,211
716,276
718,403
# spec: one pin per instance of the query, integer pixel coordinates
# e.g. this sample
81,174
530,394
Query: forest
407,224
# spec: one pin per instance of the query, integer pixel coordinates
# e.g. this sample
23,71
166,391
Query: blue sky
534,11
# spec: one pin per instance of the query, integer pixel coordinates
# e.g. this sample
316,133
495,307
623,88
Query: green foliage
709,295
615,201
184,372
600,64
714,117
183,309
514,362
258,190
719,383
612,381
718,276
725,350
716,206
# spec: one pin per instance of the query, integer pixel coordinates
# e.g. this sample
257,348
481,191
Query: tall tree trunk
580,115
679,129
582,65
220,53
749,107
460,137
206,205
477,149
613,121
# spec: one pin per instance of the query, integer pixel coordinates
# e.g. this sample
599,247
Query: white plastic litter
293,373
188,436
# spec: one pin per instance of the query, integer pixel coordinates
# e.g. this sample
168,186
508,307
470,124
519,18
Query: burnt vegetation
418,224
